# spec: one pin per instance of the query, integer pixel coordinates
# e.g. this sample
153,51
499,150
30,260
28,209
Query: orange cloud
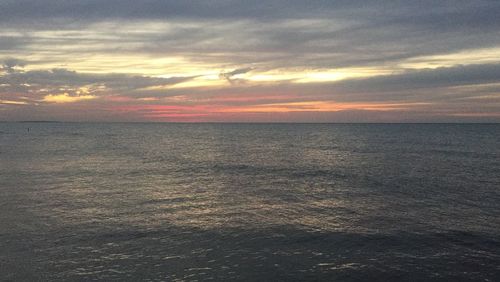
198,112
321,106
9,102
66,98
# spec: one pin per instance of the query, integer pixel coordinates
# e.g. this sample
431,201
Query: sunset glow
305,62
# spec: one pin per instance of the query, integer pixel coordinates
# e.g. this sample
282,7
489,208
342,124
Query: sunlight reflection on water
187,201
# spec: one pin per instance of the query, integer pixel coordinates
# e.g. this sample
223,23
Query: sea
249,202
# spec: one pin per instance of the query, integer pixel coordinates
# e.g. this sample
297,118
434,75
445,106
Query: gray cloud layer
331,34
256,36
163,9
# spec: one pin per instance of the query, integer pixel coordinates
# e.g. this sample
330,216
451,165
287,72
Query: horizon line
246,122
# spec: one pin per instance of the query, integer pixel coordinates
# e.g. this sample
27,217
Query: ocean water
249,202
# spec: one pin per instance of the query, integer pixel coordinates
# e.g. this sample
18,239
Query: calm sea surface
256,202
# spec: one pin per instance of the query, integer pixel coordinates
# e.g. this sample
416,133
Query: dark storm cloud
426,79
72,78
10,65
438,15
11,43
162,9
38,83
332,34
158,9
423,86
398,87
229,75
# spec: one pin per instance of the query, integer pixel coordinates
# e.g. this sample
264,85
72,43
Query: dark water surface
268,202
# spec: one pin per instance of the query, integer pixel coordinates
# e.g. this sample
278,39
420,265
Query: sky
250,61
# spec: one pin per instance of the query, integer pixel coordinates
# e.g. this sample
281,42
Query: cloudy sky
283,61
